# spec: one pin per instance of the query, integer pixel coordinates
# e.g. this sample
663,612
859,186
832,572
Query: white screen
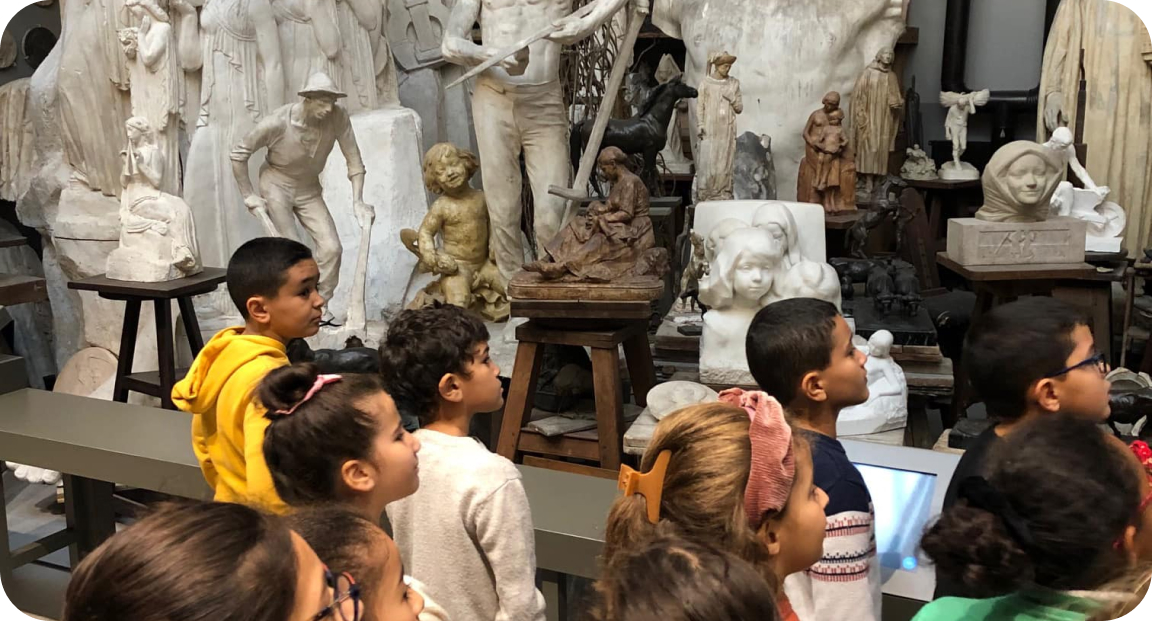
902,500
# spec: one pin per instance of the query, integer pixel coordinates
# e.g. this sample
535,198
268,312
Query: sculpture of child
832,141
468,275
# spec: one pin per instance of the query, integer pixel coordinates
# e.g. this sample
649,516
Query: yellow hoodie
228,423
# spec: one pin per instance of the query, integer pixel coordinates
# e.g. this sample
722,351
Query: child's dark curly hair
1056,495
422,347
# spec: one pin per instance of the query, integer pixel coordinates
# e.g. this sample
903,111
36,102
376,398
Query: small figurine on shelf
960,105
717,105
696,268
918,166
468,276
827,174
877,104
615,238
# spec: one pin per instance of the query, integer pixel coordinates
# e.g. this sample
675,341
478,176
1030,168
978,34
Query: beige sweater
467,533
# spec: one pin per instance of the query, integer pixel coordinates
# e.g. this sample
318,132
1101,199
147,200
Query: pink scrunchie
773,460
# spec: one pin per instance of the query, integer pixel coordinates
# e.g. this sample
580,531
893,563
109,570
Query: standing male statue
299,137
519,107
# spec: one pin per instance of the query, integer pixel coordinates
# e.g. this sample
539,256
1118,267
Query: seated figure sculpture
468,275
1106,220
752,266
614,240
887,405
157,234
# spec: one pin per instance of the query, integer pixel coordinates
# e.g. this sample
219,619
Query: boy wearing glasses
1028,359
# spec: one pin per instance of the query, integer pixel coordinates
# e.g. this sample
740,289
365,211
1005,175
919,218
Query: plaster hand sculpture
827,173
918,166
754,265
1019,182
668,397
614,240
1106,220
522,105
299,137
157,235
960,106
717,105
877,107
154,68
1103,43
468,277
887,405
673,151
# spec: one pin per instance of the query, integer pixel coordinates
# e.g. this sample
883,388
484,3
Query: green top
1023,606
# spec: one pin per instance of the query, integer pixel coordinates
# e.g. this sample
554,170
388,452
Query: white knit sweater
467,532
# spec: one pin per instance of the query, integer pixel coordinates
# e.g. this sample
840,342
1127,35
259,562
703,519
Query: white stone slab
973,242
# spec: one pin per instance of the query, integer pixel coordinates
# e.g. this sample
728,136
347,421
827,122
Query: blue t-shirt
838,477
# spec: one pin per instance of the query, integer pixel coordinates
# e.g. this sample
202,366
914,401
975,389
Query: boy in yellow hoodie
272,280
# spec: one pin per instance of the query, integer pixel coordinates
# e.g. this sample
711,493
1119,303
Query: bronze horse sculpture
646,133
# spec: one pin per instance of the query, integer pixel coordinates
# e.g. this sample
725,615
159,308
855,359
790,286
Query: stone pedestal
390,145
973,242
965,172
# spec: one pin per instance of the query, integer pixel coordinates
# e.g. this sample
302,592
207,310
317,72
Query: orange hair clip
650,484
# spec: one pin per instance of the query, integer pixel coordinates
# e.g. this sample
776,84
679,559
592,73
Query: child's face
392,599
481,387
752,278
800,529
296,310
1083,391
395,467
452,173
844,381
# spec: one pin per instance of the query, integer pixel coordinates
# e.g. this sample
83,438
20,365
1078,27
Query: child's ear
769,536
1045,395
1127,543
812,387
257,306
357,476
450,388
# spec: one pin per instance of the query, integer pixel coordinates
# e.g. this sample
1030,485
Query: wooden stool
602,325
155,383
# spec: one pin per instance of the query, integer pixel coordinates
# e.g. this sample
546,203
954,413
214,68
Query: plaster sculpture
16,140
668,397
615,238
236,46
299,137
877,107
918,166
960,106
673,151
827,173
754,169
754,262
157,78
717,105
795,53
359,25
157,234
522,106
1019,182
468,276
1105,219
309,41
7,49
1116,120
887,405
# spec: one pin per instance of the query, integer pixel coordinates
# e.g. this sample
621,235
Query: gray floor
37,588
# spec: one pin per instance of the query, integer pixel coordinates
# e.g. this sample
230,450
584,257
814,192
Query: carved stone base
965,172
977,242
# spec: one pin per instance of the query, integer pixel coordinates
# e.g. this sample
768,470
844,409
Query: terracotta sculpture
613,240
717,105
154,68
157,235
522,108
468,276
960,106
877,105
1019,182
828,171
299,137
1117,113
918,165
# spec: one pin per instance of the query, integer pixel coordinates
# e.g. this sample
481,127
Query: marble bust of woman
1019,182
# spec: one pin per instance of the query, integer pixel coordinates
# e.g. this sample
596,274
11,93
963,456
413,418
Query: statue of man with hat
299,136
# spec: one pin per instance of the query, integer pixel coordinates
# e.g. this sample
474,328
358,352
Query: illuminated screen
902,501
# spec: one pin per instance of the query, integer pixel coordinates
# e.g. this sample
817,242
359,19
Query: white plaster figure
918,165
717,105
668,397
887,405
309,40
157,80
960,106
157,234
522,107
299,137
1019,182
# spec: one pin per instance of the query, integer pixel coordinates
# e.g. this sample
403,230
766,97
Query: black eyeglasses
344,588
1099,361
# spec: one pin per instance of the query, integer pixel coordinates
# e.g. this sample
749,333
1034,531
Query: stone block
974,242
